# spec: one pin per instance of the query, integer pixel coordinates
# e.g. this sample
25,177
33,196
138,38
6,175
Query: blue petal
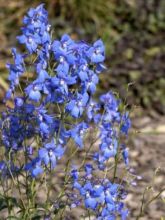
83,75
44,128
75,111
22,39
59,151
42,76
97,58
37,171
52,161
78,140
35,95
90,203
43,155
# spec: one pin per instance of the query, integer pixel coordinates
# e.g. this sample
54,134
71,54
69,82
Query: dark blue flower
74,174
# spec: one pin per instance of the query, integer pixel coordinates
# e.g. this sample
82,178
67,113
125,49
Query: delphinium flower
36,29
55,105
34,167
15,71
77,133
50,153
14,130
77,105
100,196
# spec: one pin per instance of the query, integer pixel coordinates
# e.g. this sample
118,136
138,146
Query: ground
147,158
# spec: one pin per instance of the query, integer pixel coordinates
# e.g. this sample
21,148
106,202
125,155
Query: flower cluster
56,105
99,195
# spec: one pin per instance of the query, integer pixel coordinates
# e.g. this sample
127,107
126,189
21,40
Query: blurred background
134,35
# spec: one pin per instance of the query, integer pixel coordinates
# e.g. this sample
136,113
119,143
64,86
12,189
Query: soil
147,155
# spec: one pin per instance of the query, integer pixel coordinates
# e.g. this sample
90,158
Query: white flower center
30,40
62,82
97,51
62,59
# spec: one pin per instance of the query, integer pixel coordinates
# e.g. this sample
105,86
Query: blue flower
96,53
65,74
74,174
93,109
36,16
83,70
90,202
50,153
126,123
111,107
62,82
37,87
46,123
36,30
90,83
77,105
15,70
124,214
125,154
18,102
97,193
63,66
64,48
88,169
34,95
34,167
78,132
42,76
108,150
30,40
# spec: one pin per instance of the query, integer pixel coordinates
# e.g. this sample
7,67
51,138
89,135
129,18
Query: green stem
115,168
154,198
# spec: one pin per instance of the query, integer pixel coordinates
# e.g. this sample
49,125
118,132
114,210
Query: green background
132,30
